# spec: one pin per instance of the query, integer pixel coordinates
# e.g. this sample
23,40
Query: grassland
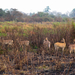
15,60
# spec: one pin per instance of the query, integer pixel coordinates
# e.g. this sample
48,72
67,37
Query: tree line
46,15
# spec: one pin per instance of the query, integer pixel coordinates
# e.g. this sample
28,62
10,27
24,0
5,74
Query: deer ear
74,40
12,40
63,39
46,38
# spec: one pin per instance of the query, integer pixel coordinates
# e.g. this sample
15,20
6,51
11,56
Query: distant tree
47,9
35,15
52,15
16,14
31,14
72,14
46,19
54,12
8,16
2,19
2,13
64,16
58,14
6,10
58,19
40,14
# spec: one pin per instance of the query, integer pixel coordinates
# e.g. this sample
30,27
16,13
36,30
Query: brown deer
72,47
58,45
74,41
4,42
21,43
46,43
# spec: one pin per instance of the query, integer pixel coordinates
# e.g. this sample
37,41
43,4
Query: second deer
61,44
21,43
46,43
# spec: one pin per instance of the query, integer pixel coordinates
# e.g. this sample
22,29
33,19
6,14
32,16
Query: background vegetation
35,59
14,60
37,32
46,15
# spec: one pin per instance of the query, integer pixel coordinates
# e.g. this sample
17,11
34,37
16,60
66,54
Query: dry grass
35,59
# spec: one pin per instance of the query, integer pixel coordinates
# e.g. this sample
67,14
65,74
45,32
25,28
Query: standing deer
74,41
72,47
23,43
58,45
46,43
4,42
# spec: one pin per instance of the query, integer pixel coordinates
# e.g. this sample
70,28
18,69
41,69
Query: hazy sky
28,6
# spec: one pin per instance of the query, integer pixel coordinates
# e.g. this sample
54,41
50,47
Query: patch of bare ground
22,63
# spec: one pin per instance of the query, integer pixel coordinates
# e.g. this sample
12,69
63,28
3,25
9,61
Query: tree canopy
46,15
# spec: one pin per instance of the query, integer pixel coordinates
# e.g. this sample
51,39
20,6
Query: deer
4,42
61,44
46,43
74,41
72,47
21,43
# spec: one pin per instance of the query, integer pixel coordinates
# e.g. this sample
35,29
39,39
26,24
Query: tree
72,14
16,14
2,13
40,14
64,15
47,9
31,14
8,16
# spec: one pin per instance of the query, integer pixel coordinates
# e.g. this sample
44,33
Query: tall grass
35,33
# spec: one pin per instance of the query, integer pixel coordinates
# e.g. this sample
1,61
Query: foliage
2,12
47,9
17,16
3,34
72,14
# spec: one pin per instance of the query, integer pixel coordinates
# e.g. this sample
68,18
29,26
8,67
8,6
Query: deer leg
62,51
74,50
49,46
56,48
70,51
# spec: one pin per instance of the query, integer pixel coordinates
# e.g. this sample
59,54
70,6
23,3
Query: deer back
59,44
10,42
24,42
72,46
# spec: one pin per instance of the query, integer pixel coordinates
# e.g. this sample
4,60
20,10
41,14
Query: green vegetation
3,34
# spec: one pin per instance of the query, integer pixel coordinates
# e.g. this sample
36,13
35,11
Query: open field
35,59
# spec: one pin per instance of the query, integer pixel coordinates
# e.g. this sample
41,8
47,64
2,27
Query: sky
35,6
